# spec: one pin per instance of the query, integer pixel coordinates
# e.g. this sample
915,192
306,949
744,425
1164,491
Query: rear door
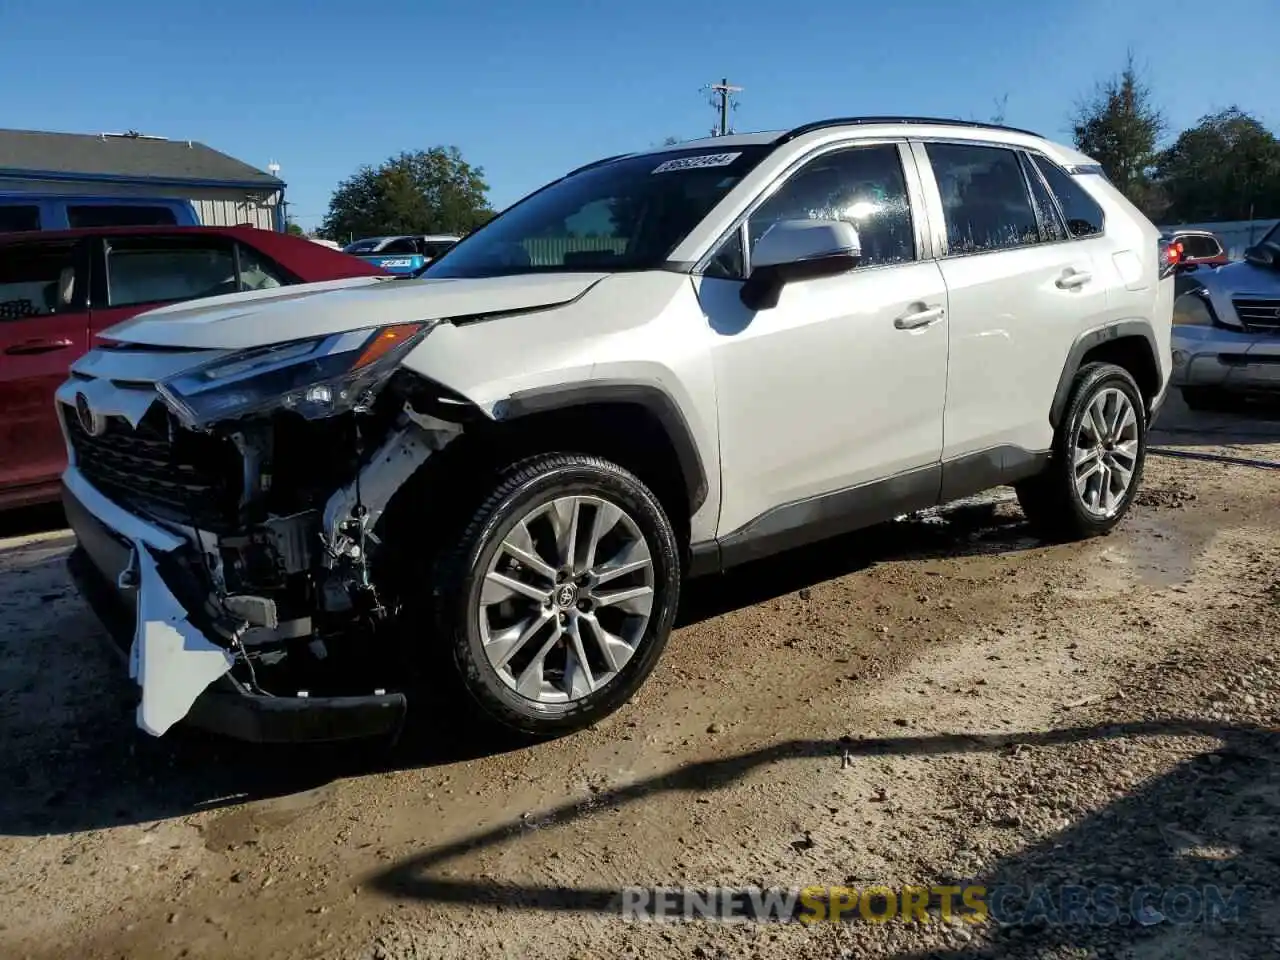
136,273
1020,290
44,326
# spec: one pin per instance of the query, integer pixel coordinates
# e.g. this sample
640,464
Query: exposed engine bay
277,515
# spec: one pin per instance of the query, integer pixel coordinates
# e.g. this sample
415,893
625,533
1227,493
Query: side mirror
1263,255
793,250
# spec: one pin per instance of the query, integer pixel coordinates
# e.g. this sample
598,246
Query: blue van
51,211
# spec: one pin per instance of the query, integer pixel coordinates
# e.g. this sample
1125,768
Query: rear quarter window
1082,212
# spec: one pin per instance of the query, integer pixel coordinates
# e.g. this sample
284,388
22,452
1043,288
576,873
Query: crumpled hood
1240,276
244,320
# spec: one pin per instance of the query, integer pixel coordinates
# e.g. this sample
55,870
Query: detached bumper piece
226,706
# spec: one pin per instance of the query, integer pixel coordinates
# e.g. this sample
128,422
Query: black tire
1211,399
1049,500
459,577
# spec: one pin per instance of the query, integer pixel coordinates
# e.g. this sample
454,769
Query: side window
984,198
154,270
1046,209
1199,247
863,185
257,272
436,248
727,264
403,245
37,280
118,215
19,217
1084,216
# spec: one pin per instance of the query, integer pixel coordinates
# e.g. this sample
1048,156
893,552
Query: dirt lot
940,699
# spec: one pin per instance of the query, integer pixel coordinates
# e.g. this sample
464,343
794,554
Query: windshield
626,214
363,246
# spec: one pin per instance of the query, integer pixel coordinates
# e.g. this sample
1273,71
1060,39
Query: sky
529,90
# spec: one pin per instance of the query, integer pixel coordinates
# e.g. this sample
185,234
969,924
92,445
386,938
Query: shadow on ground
28,520
72,758
1255,423
1145,843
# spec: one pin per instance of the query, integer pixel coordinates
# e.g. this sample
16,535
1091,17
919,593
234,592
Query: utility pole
722,99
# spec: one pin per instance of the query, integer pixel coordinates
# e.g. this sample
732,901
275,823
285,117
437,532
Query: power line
723,100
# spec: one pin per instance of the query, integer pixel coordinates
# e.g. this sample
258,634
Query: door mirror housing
793,250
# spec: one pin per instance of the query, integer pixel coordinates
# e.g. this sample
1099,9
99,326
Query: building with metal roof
224,191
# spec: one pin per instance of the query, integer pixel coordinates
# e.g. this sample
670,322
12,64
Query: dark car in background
59,289
402,255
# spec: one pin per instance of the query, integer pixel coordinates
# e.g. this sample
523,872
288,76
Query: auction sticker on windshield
697,163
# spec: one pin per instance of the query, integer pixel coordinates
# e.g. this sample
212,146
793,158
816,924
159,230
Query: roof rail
934,121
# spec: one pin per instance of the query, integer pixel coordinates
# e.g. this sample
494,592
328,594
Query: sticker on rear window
697,163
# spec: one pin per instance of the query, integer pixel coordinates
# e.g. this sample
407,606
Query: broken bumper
224,705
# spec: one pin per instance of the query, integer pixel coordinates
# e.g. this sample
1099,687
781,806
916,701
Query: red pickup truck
59,289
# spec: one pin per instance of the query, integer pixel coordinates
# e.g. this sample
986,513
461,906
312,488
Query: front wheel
1098,455
557,603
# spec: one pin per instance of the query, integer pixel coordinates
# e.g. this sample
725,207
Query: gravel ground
942,700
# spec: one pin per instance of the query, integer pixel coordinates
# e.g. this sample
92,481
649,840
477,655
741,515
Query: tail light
1170,257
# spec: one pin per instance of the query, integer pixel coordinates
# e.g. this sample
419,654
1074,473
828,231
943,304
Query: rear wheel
1098,454
557,603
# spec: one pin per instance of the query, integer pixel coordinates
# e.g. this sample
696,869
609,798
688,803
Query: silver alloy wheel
566,599
1106,452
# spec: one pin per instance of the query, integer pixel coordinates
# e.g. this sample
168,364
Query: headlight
315,378
1193,309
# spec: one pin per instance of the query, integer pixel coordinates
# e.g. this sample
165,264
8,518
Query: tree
1119,127
427,191
1001,108
1226,167
293,229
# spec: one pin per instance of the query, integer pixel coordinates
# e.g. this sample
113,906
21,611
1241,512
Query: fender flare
1086,342
649,395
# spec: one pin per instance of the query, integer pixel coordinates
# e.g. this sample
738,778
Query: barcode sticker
697,163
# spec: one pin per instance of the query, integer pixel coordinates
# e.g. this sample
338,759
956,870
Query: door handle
920,318
1073,279
36,346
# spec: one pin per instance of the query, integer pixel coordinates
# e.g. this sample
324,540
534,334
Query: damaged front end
226,506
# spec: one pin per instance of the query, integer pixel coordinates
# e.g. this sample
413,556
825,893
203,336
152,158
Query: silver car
1226,333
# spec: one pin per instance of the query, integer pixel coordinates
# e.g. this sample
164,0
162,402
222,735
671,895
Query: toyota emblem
92,422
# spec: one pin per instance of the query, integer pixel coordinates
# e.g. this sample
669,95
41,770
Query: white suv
319,502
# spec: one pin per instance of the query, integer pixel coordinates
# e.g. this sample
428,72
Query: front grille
1258,314
161,469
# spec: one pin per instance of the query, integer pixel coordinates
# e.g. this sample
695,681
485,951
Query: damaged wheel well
629,434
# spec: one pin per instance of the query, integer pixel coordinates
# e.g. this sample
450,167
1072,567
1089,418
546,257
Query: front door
843,381
44,326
